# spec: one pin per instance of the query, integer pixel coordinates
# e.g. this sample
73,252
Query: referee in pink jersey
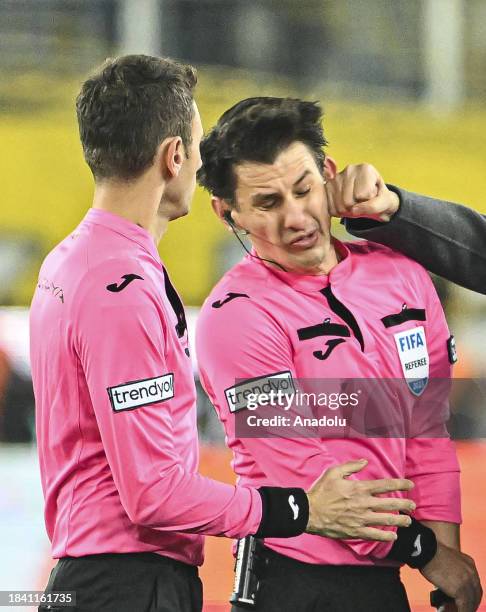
303,308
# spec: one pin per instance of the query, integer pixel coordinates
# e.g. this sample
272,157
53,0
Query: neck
331,259
137,200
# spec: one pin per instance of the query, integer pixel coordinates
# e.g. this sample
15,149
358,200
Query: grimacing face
283,206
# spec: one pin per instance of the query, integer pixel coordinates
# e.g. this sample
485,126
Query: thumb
372,208
351,467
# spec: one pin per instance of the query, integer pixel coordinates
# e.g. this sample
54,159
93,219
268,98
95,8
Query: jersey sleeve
431,459
121,342
455,237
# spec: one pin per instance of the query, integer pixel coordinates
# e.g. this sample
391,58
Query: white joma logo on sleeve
141,392
418,546
294,506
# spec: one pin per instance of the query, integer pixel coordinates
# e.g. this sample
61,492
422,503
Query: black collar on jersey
177,306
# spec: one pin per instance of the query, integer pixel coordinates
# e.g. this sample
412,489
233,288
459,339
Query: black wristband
285,512
415,545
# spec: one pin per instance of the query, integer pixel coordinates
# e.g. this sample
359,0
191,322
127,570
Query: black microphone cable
235,233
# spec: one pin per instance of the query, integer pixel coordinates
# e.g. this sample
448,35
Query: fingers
467,604
391,504
360,183
381,207
346,469
387,520
476,585
347,194
356,183
451,571
366,184
479,593
373,205
379,535
448,607
387,485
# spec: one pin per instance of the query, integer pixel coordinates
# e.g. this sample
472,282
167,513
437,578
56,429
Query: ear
330,168
171,156
221,209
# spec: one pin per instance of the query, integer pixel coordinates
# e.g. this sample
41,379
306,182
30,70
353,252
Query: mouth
305,241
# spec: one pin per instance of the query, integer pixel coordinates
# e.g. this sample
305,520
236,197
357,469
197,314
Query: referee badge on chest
414,357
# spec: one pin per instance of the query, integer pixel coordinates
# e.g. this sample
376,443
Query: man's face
283,206
180,191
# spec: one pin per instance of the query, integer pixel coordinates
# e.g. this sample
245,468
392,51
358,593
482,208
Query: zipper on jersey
344,313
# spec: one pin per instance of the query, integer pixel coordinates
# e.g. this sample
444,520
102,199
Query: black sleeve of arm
447,239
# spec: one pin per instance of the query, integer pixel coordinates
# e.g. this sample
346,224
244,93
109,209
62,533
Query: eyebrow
306,172
260,198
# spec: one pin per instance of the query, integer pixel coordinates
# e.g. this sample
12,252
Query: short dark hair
127,108
257,130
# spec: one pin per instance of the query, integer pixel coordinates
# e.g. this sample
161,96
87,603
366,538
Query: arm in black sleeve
447,239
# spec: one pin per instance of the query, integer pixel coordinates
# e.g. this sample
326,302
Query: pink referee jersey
116,404
368,312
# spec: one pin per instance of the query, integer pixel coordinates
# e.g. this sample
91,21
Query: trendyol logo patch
237,397
414,357
138,393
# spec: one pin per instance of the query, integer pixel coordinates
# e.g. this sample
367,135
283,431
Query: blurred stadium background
403,83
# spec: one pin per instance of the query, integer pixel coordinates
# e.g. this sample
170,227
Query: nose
296,217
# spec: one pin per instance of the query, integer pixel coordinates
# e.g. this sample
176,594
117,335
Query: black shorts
132,582
287,585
